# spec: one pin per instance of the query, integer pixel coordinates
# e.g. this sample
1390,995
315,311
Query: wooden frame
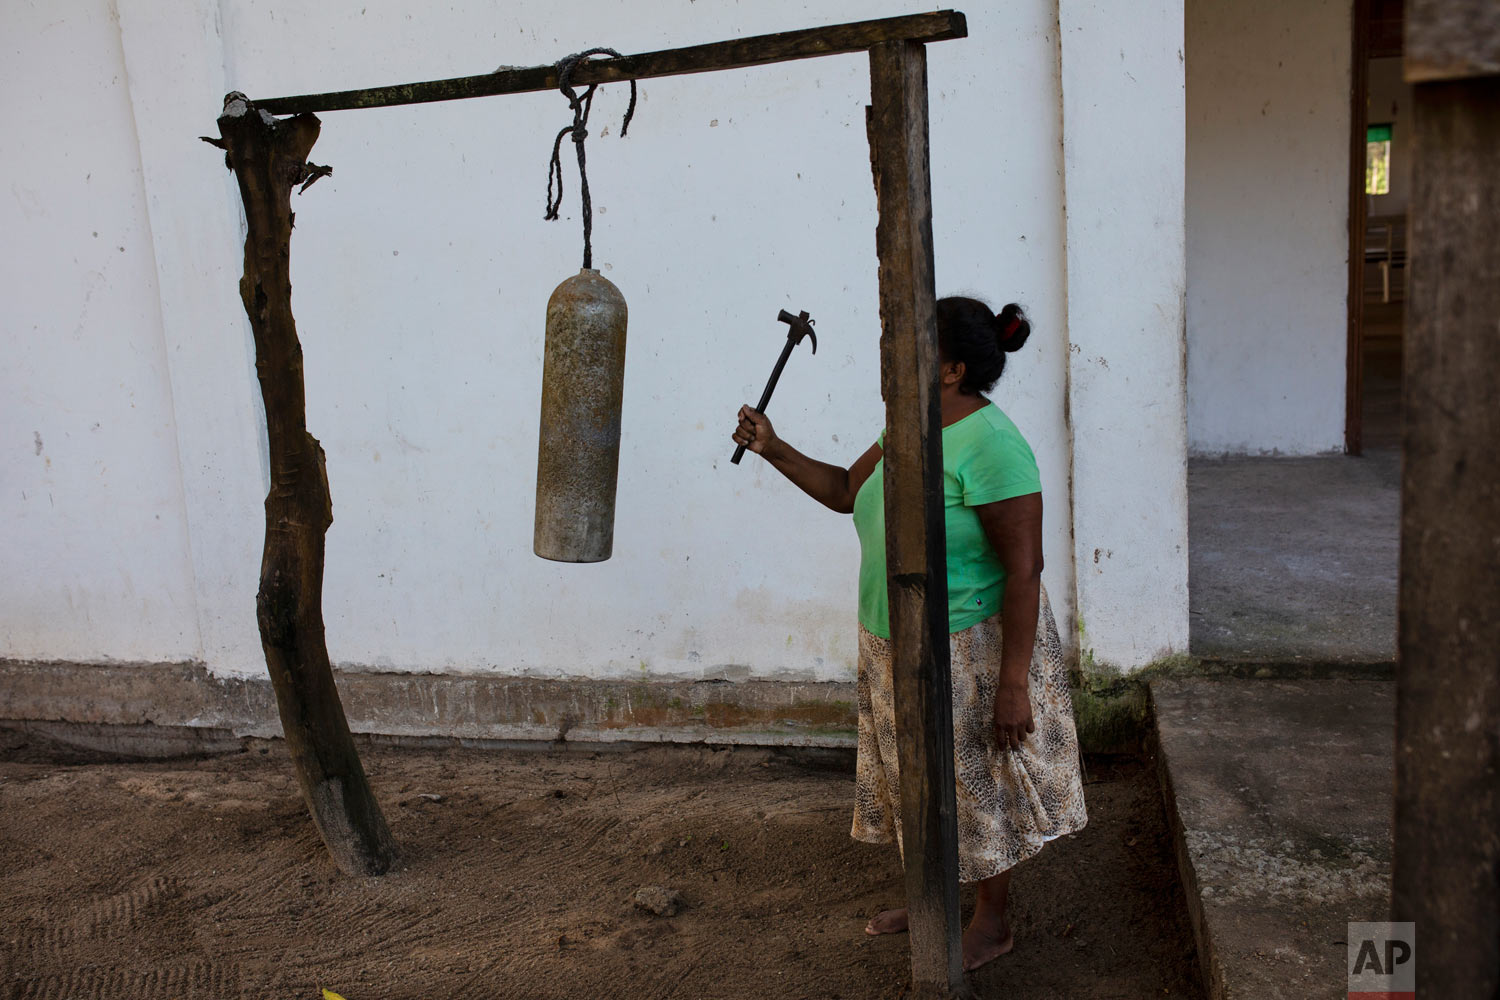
268,156
759,50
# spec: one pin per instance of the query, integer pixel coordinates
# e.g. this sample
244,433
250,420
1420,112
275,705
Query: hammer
801,326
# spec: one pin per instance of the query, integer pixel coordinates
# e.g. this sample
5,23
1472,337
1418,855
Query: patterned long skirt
1011,802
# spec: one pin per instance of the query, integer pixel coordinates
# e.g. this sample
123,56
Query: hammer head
801,326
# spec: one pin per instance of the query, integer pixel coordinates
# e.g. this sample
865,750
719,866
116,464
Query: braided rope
581,106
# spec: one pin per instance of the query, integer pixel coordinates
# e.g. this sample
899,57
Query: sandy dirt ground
204,878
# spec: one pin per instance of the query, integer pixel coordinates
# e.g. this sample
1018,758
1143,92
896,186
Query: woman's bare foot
988,935
984,942
887,922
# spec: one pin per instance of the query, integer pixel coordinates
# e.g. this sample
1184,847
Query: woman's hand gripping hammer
801,326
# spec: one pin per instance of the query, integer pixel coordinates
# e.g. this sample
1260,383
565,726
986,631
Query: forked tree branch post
269,158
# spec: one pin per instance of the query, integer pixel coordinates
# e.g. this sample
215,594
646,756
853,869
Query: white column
174,58
1123,163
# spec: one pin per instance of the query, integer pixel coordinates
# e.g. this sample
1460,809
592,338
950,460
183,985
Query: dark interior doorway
1379,182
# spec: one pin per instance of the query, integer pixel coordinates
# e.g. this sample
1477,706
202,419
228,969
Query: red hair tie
1011,328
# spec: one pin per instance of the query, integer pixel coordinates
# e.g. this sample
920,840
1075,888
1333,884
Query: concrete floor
1279,794
1294,560
1279,790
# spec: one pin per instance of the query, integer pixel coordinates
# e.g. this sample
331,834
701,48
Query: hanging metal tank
578,454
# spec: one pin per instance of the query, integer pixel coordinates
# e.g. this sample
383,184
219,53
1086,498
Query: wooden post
1447,857
916,544
269,157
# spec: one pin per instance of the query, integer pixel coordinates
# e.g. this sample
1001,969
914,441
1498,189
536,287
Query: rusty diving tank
578,451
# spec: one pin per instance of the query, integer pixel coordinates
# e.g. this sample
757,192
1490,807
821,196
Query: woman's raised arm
830,485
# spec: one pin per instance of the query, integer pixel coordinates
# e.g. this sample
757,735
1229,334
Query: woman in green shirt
1015,746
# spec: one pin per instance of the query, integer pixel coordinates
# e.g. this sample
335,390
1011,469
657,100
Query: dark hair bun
970,333
1011,328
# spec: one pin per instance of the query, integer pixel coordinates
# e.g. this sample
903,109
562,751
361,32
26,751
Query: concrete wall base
652,710
128,709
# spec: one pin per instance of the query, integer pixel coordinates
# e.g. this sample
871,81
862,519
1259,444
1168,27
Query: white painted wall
175,60
1267,224
1125,275
422,268
92,529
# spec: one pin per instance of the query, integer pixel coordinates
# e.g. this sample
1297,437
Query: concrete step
1279,796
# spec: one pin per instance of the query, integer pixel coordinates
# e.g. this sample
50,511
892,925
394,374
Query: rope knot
581,106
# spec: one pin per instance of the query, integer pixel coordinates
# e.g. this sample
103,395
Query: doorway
1379,185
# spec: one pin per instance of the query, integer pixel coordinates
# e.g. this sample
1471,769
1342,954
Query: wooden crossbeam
738,53
1452,40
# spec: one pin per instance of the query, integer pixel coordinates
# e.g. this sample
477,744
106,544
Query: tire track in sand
173,981
54,934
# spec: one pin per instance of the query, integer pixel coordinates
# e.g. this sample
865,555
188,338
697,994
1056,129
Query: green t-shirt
985,459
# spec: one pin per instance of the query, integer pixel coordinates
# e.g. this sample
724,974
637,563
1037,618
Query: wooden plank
734,54
269,158
1452,39
916,544
1448,680
1354,355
